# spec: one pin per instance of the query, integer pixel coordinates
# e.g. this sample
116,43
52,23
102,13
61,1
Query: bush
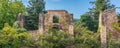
112,43
55,39
116,26
21,30
10,38
85,38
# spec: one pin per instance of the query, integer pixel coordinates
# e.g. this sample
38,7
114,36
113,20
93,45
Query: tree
10,37
55,39
34,8
90,19
89,22
9,11
102,5
84,38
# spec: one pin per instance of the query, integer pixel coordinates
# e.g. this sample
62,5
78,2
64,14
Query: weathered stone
65,21
71,28
103,32
20,20
106,19
41,23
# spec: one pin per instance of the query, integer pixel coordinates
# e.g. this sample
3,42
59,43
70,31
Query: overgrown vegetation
85,38
85,29
89,22
34,8
116,26
9,11
11,38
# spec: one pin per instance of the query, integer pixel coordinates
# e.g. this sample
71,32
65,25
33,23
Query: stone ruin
20,20
57,19
46,21
107,19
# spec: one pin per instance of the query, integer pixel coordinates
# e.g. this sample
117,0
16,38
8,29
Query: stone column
103,31
41,23
20,20
107,18
71,28
103,37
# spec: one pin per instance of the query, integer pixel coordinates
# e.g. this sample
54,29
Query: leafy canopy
9,11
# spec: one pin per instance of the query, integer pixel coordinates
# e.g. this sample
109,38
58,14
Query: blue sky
77,7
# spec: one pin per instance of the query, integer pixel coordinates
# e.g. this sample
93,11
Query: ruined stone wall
111,19
65,20
41,23
71,27
107,19
20,20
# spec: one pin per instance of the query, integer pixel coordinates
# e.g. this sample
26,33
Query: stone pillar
103,37
107,18
41,23
71,28
102,27
20,20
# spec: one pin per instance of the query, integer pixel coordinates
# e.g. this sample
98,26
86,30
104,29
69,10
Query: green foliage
99,29
10,38
85,38
55,19
9,11
116,26
14,37
88,21
34,8
112,43
20,30
55,39
102,5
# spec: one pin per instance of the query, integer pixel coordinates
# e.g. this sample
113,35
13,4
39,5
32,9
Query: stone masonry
65,21
20,20
107,19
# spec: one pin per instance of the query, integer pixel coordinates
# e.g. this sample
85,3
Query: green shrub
55,39
116,26
85,38
10,38
21,30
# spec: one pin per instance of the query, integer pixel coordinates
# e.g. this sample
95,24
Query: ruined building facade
56,19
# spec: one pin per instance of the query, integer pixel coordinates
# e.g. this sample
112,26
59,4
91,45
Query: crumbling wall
65,21
71,27
20,20
107,19
41,23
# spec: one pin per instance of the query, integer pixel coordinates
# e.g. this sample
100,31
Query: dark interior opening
55,19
